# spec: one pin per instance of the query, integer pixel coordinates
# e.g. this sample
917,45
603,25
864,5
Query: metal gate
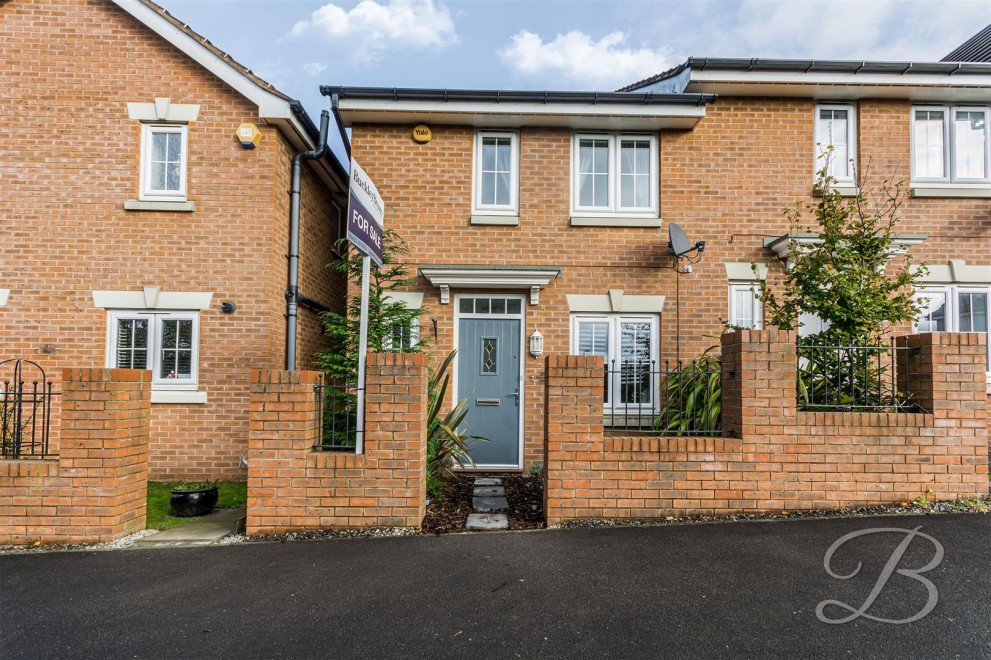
25,409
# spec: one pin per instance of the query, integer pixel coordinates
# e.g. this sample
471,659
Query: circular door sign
422,134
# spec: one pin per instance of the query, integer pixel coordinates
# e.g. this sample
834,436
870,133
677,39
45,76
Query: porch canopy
473,276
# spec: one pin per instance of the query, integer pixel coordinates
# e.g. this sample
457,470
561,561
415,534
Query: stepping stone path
489,496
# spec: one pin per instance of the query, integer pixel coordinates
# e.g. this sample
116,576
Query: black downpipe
292,290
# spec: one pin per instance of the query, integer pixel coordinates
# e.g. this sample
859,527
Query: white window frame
614,349
147,193
414,337
513,208
949,152
753,288
614,160
851,140
154,345
951,292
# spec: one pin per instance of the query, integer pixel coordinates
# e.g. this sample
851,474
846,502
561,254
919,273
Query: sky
299,45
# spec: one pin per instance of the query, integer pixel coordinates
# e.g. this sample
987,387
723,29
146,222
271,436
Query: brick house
138,232
544,216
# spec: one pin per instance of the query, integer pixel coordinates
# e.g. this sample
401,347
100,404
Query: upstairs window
496,173
950,144
615,174
163,162
836,131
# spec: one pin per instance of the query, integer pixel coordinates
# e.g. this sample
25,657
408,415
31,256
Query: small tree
843,277
388,320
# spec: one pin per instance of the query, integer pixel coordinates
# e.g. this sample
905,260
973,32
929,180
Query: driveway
732,589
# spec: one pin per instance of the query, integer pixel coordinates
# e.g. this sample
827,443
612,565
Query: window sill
501,220
978,191
143,205
178,396
615,221
845,190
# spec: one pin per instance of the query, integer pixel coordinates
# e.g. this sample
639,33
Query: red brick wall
773,457
96,489
292,487
725,182
71,158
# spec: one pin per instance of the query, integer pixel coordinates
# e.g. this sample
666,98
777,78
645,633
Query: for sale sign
366,214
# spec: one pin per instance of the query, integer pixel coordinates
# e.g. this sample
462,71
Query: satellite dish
677,241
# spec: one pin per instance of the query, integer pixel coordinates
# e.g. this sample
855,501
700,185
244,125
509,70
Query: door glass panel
467,305
489,355
513,306
498,306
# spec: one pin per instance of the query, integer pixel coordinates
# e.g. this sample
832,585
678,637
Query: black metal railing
868,378
338,406
687,400
26,397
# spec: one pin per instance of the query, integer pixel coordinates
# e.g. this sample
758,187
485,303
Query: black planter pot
189,503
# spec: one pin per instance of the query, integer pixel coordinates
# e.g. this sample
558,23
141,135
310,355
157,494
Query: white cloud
373,28
314,69
602,64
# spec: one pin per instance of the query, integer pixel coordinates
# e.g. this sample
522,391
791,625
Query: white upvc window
836,129
951,145
167,343
163,162
615,174
497,173
629,345
402,337
745,310
955,308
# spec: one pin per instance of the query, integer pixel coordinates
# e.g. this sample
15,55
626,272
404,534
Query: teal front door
489,361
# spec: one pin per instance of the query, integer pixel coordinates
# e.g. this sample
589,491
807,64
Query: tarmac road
712,590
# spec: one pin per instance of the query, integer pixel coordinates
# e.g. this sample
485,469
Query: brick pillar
573,428
945,372
283,427
104,452
759,381
396,438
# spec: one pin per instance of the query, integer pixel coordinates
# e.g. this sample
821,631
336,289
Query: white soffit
745,272
615,301
152,297
956,271
843,86
412,299
533,278
632,117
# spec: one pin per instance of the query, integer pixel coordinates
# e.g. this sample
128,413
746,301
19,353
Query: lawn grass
232,494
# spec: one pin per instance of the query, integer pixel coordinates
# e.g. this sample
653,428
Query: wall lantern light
536,344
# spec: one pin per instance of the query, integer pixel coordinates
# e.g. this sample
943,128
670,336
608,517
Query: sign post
366,223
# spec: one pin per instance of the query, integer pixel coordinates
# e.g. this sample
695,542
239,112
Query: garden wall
292,487
95,490
772,457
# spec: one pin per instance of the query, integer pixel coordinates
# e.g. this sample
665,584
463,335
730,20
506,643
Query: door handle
517,395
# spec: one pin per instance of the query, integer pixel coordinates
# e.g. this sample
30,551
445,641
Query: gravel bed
119,544
318,534
981,505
